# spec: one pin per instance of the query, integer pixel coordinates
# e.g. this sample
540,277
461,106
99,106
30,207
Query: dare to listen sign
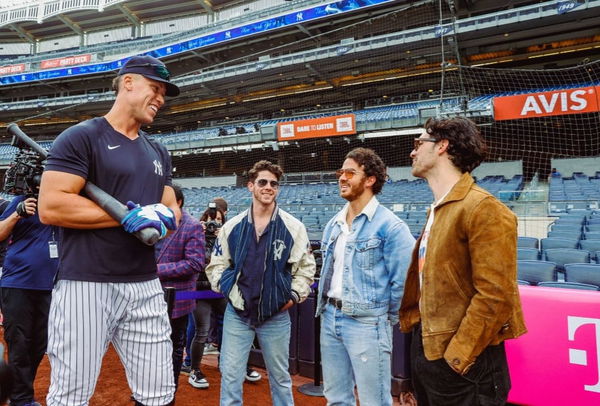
317,127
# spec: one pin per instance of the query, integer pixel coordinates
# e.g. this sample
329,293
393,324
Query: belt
335,302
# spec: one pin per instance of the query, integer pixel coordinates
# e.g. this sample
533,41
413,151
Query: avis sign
554,103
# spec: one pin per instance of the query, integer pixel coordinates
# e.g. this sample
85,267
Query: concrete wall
206,182
567,166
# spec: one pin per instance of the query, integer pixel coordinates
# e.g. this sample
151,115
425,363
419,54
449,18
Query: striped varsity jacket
289,265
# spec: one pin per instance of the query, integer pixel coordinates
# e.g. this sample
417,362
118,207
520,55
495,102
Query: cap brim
172,89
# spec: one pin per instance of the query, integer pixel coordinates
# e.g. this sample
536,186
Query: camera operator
212,220
29,267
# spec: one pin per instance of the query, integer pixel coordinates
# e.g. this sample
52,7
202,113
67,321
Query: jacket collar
273,215
460,190
369,211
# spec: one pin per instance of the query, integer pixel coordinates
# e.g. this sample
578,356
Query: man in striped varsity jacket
262,263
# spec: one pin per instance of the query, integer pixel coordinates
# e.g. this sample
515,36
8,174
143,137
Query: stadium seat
590,245
583,273
592,235
552,242
529,254
592,227
565,234
562,256
528,242
569,285
535,272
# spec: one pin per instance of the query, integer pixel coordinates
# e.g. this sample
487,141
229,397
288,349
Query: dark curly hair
264,166
372,164
467,148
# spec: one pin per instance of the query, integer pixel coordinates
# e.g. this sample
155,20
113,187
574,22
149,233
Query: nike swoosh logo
113,147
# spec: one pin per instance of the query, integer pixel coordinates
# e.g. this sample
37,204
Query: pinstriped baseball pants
86,316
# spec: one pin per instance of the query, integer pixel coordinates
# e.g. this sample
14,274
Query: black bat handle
118,211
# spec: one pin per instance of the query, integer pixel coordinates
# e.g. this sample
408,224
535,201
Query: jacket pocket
227,281
454,281
367,254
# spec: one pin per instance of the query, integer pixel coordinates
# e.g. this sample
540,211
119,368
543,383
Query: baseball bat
112,206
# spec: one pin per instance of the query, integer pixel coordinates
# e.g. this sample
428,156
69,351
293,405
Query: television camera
24,174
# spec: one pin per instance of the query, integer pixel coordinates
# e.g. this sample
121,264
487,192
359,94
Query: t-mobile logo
579,357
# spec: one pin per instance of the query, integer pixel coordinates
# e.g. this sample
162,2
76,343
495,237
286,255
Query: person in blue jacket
366,251
262,263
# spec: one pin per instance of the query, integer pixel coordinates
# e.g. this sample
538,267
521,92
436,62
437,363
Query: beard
354,191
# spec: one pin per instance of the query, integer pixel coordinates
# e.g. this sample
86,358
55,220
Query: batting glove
152,215
165,215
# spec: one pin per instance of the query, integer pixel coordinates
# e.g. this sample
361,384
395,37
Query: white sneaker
210,348
197,380
252,375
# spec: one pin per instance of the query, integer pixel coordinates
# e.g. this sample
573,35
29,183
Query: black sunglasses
263,182
419,141
160,70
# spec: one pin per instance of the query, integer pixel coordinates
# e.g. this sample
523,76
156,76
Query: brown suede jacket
469,298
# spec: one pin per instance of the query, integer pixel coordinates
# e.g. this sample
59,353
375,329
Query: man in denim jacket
366,251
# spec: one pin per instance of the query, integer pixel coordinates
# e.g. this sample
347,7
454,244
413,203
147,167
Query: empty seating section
562,256
555,242
568,285
572,193
315,203
583,273
528,242
535,272
570,253
531,254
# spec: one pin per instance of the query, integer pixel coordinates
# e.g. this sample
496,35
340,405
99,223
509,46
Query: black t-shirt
136,170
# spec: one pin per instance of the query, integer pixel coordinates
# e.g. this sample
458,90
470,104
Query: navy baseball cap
150,68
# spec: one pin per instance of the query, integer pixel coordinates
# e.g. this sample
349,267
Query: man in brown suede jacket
460,298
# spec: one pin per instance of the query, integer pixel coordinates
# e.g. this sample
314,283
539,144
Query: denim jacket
376,258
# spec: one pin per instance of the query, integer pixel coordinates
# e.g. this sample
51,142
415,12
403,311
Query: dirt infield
112,388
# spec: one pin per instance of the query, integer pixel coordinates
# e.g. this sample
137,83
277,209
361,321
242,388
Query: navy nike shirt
136,170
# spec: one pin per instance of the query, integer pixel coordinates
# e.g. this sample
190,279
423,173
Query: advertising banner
66,61
9,69
543,104
558,361
317,127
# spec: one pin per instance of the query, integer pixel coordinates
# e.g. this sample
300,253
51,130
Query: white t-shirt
335,289
425,238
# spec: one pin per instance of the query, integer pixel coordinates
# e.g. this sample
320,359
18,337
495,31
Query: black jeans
178,330
486,384
26,333
202,316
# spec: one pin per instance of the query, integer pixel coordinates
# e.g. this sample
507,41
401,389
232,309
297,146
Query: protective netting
533,115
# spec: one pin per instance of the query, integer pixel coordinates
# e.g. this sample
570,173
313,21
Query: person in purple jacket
180,258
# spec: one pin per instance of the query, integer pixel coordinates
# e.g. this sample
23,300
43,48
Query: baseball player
107,289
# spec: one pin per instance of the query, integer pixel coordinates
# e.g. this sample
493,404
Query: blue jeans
274,339
356,350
